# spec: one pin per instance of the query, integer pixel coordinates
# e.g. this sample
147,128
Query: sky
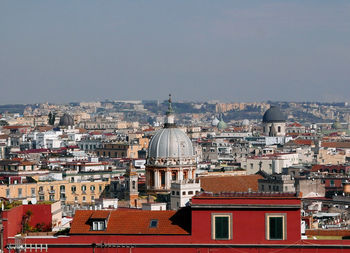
233,51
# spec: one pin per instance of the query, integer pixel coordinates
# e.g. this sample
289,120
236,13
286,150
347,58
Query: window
153,223
20,192
41,198
84,198
92,188
190,193
173,193
133,185
74,189
276,226
221,224
33,191
83,188
331,183
98,225
92,198
173,176
52,197
7,193
62,188
183,193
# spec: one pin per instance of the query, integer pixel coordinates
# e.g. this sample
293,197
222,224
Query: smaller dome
66,120
336,125
273,114
215,122
222,125
245,122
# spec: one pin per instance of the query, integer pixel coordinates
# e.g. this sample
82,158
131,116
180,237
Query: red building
231,222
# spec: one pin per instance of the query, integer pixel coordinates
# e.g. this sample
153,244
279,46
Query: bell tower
132,191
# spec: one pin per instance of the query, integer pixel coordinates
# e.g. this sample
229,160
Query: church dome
66,120
215,122
222,124
245,122
273,114
336,125
170,143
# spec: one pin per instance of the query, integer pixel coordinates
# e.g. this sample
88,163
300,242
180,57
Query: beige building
331,156
84,192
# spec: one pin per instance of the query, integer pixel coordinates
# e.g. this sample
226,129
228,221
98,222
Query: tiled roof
295,124
218,184
128,221
100,214
247,195
303,142
335,144
330,167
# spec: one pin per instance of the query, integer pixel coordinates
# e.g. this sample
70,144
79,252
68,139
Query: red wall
40,214
12,218
12,221
248,225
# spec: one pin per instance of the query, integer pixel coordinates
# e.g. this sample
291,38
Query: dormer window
98,225
99,220
153,224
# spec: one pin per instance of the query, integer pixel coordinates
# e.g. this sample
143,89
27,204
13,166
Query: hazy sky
71,50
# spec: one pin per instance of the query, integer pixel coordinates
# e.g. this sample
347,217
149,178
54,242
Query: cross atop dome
170,118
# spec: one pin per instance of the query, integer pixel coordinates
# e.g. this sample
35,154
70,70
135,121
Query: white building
182,192
270,163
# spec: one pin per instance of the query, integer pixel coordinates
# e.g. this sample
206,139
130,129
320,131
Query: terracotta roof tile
101,214
128,222
336,144
217,184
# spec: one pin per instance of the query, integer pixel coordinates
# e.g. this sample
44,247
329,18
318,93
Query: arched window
62,188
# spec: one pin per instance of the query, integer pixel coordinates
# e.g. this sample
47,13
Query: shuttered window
221,226
276,228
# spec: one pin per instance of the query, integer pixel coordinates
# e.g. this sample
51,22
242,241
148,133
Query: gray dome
273,114
66,120
170,143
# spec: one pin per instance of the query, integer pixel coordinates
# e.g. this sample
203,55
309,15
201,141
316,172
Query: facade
213,223
277,183
270,163
83,192
182,192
